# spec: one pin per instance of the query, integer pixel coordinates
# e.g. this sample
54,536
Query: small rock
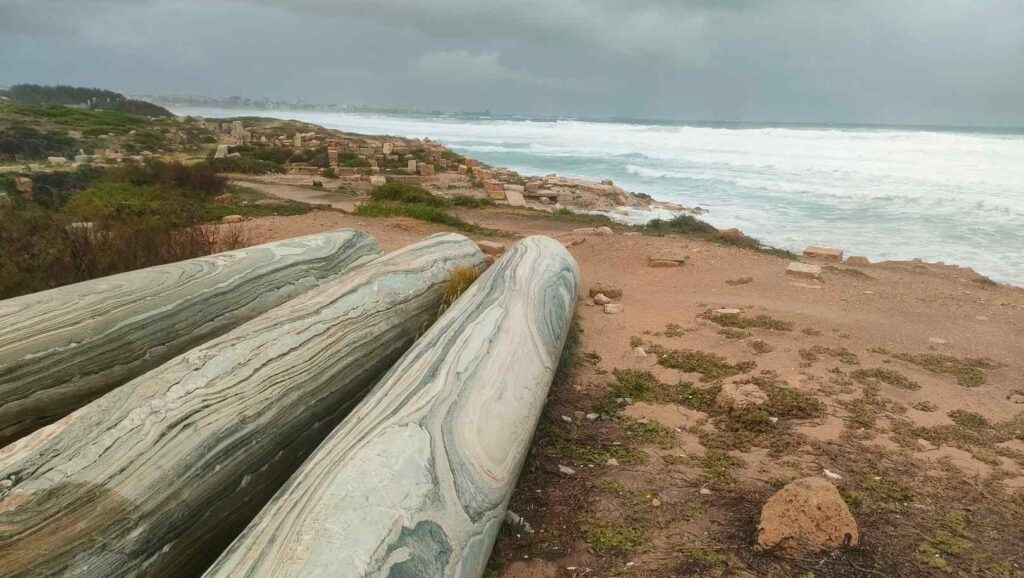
656,502
607,289
824,253
926,445
773,419
937,340
566,470
739,281
5,201
570,243
612,462
517,522
491,247
585,231
734,235
589,301
857,260
726,311
601,299
705,492
806,270
225,199
592,416
604,232
232,219
639,352
807,514
613,308
566,419
831,475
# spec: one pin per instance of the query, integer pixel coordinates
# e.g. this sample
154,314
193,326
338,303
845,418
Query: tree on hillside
92,98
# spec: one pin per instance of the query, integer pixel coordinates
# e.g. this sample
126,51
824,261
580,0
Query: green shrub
244,165
106,202
352,160
279,155
680,225
419,212
200,179
22,142
468,201
53,190
405,193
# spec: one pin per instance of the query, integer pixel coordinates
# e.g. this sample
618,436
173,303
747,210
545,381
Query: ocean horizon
941,194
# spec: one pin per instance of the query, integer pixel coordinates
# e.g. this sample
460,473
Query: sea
941,194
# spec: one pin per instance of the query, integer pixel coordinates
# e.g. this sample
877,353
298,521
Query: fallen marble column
415,482
159,475
62,348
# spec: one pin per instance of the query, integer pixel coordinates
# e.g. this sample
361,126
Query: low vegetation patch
418,212
711,366
243,165
844,355
610,538
883,375
405,193
643,386
738,321
969,372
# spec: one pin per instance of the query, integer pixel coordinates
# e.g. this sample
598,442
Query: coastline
865,217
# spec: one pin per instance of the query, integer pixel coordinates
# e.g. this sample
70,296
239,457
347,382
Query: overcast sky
880,61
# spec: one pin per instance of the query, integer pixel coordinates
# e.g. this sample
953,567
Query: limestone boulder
807,515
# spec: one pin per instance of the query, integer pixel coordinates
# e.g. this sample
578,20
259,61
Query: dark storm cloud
916,61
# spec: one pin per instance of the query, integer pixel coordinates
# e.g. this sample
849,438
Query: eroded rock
806,515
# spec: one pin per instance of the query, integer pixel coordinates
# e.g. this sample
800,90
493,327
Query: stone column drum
62,348
415,482
158,476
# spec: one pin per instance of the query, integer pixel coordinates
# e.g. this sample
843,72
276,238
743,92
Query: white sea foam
946,196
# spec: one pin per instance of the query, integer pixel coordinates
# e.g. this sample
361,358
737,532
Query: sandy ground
665,509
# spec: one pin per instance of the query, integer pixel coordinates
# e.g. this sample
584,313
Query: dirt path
301,194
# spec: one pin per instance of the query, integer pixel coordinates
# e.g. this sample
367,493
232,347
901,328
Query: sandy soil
684,495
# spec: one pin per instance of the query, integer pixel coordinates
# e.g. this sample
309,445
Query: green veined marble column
62,348
416,480
159,475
